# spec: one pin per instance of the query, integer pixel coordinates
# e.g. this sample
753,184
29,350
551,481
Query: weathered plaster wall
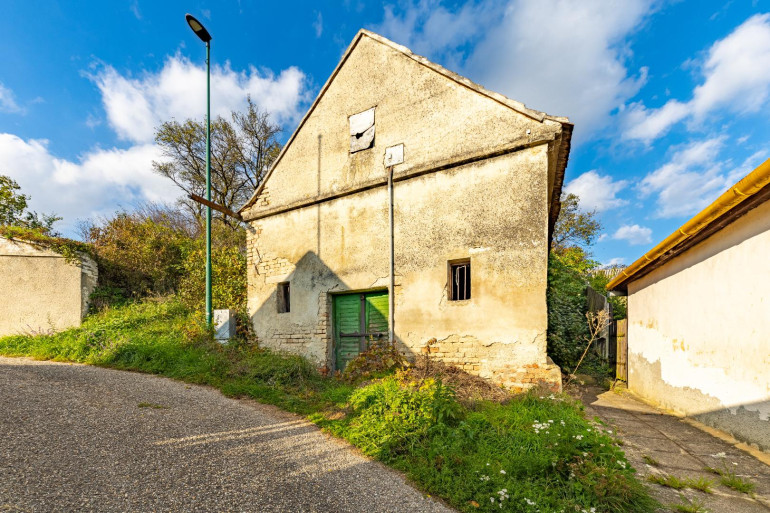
438,120
494,211
699,330
40,290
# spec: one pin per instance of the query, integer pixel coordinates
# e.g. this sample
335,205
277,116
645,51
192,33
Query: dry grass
468,388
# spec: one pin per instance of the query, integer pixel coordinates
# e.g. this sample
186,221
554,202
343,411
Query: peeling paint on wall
699,330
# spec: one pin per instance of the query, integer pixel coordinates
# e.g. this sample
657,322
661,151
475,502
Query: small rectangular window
460,280
284,298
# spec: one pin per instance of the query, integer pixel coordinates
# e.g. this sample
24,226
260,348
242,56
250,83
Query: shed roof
751,191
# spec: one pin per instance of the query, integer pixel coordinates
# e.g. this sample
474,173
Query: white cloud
102,180
567,58
8,101
736,78
691,179
614,262
96,184
596,192
428,28
644,124
634,234
136,106
318,24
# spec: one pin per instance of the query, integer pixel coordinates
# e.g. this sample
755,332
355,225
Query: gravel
80,438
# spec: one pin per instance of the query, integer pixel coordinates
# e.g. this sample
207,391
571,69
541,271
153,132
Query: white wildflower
502,471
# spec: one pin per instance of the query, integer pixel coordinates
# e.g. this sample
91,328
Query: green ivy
71,250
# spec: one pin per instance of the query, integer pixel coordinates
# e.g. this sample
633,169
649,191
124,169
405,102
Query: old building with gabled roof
411,204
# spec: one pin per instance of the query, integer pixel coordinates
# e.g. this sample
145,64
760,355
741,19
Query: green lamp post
204,36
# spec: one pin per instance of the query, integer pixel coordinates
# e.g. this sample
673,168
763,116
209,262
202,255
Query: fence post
621,368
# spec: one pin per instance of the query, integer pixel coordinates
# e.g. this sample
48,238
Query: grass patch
667,480
528,454
153,406
704,485
731,480
650,460
686,505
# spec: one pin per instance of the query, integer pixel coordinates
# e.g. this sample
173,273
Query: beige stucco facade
477,183
699,330
41,291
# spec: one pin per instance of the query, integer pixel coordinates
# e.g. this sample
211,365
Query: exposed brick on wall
500,363
303,340
547,376
473,356
261,263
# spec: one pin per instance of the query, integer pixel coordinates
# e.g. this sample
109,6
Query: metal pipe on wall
392,285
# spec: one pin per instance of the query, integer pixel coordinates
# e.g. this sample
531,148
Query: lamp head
198,28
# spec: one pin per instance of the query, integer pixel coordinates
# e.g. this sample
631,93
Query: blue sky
669,99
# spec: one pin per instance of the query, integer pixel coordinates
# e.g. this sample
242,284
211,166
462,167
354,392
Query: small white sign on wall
394,155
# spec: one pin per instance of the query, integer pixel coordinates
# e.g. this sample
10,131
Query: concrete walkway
657,443
79,438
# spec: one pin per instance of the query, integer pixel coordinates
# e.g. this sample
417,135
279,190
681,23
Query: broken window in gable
362,130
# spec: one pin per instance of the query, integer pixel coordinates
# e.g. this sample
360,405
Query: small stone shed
699,314
41,290
476,182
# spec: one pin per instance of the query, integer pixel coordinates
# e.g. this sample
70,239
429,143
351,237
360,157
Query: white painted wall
699,330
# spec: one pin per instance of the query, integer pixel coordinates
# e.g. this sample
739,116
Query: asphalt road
79,438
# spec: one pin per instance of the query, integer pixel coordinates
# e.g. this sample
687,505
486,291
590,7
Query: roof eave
725,208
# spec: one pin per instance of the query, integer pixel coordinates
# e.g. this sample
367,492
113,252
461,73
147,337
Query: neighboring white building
41,291
699,314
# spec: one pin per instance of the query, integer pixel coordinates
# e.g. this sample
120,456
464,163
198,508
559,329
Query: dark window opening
460,280
284,300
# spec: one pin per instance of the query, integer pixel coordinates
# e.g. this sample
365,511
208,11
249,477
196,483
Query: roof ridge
503,100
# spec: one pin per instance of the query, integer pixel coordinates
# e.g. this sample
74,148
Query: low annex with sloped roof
476,183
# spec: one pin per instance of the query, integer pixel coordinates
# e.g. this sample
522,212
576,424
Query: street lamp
204,36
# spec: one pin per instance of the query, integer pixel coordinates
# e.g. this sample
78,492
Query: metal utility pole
204,36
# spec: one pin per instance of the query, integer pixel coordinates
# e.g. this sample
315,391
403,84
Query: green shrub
137,255
567,306
156,251
379,359
228,276
389,414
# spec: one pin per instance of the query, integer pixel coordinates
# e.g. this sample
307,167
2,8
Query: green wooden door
358,318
